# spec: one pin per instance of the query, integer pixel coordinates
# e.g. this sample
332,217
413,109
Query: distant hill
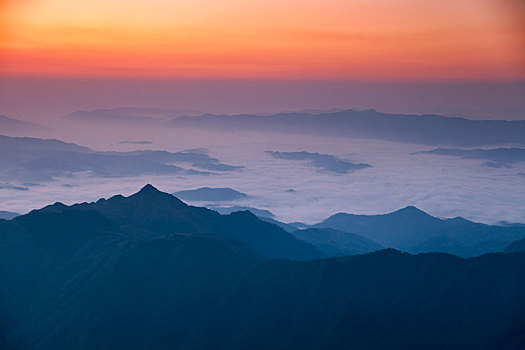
337,243
517,246
424,129
207,194
130,115
8,125
149,272
507,224
260,213
413,230
8,215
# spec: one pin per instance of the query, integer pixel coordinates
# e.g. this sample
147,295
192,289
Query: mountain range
411,229
130,116
424,129
148,271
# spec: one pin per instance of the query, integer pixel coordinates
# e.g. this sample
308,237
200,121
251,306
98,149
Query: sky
464,58
290,39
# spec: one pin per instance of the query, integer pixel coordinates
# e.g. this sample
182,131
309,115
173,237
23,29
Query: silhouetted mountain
33,159
153,212
9,125
149,272
337,243
413,230
497,157
8,215
326,162
420,129
382,300
207,194
517,246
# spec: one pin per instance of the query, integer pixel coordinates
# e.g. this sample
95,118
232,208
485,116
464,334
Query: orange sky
285,39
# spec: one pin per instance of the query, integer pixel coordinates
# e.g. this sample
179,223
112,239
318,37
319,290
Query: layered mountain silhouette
337,243
419,129
151,212
517,246
150,272
413,230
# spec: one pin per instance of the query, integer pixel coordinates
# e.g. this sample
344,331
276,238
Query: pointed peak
411,210
149,191
153,196
148,188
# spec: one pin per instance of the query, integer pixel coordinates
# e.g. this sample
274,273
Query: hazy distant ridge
424,129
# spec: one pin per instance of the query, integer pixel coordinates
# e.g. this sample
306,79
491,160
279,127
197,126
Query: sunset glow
334,39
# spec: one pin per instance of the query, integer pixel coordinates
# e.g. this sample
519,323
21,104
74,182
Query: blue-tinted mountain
382,300
153,212
37,160
8,215
337,243
260,213
509,224
130,116
10,125
424,129
413,230
517,246
149,272
207,194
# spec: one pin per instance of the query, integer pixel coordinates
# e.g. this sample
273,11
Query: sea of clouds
292,189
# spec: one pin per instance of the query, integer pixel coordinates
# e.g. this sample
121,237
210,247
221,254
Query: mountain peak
410,209
149,188
151,194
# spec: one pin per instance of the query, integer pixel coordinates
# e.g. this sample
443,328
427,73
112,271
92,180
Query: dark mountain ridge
161,213
149,272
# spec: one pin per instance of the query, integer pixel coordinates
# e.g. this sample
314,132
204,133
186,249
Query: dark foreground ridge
149,272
